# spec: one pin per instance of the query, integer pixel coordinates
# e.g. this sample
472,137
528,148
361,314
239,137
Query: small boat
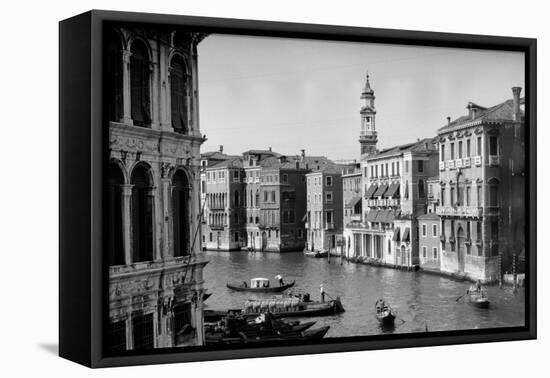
260,285
292,307
242,338
478,297
317,254
383,312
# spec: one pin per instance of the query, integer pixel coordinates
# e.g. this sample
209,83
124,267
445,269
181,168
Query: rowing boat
384,312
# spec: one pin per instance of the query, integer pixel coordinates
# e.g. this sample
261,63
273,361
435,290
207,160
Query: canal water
421,300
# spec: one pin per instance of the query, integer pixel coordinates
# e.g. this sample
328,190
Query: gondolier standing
322,294
280,278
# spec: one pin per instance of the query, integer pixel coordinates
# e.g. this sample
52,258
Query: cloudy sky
290,94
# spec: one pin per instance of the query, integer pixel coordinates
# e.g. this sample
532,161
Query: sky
293,94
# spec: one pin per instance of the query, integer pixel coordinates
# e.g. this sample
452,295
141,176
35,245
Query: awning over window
372,215
393,191
388,216
396,234
370,191
352,202
381,190
405,237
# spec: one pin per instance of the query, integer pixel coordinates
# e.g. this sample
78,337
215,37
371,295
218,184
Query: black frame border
83,141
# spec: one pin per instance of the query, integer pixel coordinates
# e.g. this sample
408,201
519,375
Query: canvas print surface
274,190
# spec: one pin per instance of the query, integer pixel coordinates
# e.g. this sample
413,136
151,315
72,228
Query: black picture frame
82,141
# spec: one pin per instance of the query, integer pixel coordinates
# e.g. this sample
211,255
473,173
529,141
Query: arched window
178,95
257,201
406,196
421,190
142,214
139,85
236,198
180,213
115,238
113,84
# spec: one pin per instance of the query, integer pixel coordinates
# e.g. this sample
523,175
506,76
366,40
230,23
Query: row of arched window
136,215
140,75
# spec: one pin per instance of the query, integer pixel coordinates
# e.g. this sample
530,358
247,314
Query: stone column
157,230
126,88
127,222
129,333
167,219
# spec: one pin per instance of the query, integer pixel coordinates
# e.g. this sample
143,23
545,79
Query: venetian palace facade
482,182
155,274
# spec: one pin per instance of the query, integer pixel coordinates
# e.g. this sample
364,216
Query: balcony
329,226
494,160
441,165
478,160
460,211
393,202
450,164
466,162
356,218
458,163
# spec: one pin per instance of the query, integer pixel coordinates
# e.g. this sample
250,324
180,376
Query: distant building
324,209
351,193
282,204
208,159
256,201
482,178
394,184
428,241
394,194
225,209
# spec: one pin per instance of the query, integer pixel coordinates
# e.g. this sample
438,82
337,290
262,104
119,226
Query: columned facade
155,272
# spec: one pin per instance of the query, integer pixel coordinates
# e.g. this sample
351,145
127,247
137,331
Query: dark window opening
139,85
179,96
180,209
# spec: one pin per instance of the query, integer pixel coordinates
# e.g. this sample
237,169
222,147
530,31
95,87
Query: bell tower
368,136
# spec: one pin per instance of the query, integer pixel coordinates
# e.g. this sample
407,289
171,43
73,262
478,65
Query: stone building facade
155,272
225,205
256,201
395,194
482,166
325,211
428,240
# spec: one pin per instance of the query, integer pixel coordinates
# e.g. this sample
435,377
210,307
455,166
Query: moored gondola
292,307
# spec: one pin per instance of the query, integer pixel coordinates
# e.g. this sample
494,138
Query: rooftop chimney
448,120
517,112
269,149
221,148
303,154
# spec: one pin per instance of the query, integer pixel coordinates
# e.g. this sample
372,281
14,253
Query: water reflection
420,300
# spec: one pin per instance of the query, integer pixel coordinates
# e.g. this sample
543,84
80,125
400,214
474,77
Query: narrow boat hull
273,289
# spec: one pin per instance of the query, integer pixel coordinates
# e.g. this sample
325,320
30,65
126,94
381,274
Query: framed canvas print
234,188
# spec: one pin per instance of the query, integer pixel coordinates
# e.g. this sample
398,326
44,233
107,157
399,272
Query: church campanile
368,136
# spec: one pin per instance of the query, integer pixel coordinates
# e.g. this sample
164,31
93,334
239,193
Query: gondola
478,298
309,335
383,312
317,254
260,285
291,307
